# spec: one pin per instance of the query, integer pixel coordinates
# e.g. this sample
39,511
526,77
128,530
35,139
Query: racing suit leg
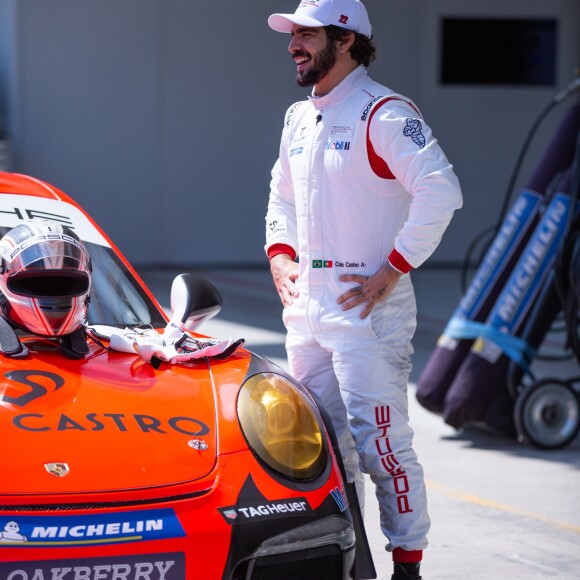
312,365
372,369
360,373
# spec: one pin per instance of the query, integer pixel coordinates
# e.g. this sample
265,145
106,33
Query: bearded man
360,195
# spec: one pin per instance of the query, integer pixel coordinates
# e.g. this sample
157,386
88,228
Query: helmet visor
49,283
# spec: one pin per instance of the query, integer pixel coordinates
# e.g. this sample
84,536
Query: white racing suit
329,206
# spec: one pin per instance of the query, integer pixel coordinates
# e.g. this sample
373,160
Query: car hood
111,421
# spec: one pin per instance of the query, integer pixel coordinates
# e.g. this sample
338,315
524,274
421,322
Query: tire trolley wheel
547,413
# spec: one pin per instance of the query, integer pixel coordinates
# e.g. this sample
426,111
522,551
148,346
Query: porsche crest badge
57,469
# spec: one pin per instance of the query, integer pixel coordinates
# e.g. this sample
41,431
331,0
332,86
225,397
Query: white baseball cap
349,14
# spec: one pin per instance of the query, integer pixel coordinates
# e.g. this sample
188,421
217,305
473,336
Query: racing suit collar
341,91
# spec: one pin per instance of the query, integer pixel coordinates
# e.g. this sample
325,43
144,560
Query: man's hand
370,289
284,273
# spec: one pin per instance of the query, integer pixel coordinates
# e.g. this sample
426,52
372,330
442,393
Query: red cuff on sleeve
399,263
276,249
407,556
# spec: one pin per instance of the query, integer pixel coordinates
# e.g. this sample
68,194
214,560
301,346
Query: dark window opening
492,51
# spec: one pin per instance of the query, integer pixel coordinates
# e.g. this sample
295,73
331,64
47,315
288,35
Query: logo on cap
343,19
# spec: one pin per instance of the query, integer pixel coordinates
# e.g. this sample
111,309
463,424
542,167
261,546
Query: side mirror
193,301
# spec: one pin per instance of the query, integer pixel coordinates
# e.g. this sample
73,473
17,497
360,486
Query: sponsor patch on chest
339,138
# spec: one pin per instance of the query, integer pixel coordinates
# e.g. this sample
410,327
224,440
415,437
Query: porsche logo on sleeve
265,510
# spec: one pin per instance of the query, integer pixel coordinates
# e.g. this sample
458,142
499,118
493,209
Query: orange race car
132,447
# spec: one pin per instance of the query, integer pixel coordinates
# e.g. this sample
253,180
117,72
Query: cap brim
285,22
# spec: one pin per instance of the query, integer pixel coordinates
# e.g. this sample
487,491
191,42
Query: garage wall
162,117
6,70
85,107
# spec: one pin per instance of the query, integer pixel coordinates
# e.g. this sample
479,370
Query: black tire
547,414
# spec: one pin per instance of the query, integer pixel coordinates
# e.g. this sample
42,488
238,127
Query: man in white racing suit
361,193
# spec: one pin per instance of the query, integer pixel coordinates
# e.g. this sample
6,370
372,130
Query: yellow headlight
281,426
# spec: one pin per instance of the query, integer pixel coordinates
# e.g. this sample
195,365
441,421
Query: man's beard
322,64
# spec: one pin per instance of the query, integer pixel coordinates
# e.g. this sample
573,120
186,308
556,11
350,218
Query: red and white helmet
45,278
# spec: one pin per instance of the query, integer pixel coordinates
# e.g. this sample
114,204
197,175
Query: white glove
173,346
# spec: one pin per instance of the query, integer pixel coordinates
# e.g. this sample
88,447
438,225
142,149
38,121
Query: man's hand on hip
284,273
370,289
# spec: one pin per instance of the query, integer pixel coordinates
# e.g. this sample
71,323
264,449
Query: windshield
117,299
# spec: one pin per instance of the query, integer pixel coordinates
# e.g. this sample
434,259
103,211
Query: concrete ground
499,509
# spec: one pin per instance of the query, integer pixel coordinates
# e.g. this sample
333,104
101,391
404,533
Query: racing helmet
45,278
